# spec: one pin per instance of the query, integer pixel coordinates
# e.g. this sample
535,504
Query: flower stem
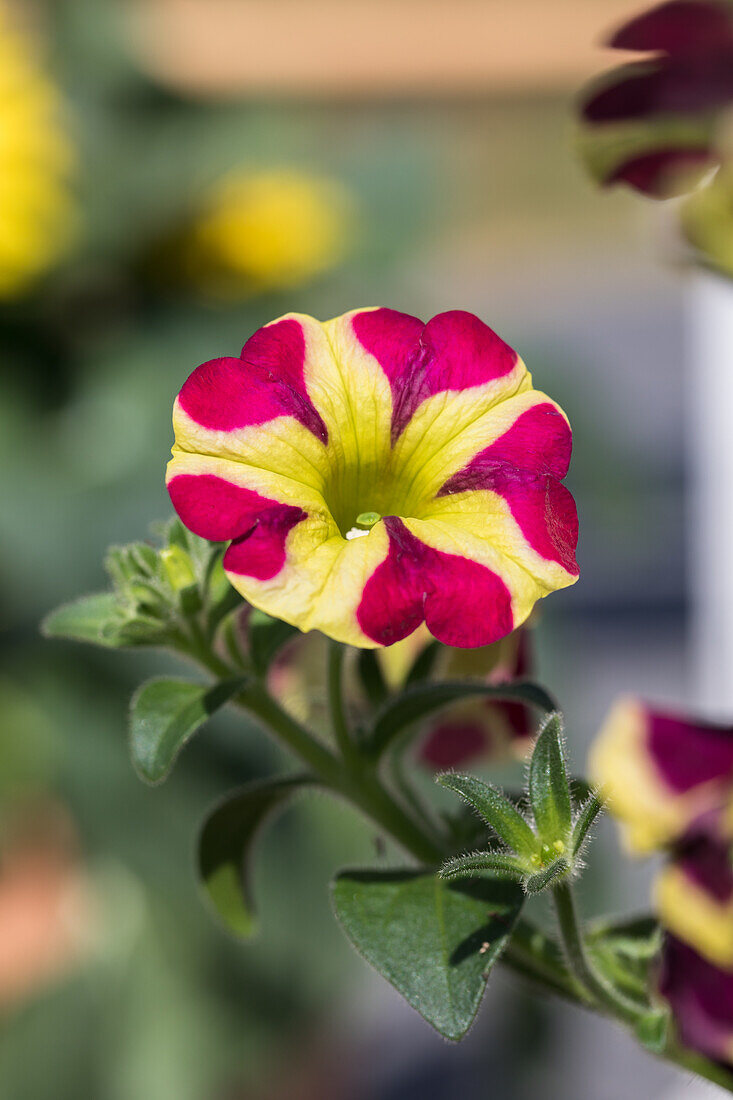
336,704
599,992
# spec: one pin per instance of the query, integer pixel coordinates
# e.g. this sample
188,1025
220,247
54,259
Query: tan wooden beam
368,48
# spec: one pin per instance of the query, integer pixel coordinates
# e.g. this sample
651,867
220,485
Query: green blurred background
182,216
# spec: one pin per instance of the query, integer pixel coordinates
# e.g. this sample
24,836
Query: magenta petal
454,351
664,173
701,998
686,85
707,863
679,26
688,753
462,602
213,508
452,744
260,553
266,382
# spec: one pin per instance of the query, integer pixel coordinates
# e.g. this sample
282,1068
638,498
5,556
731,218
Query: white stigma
356,533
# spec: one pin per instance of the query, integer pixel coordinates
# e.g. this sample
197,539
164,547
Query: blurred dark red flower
483,727
701,998
654,124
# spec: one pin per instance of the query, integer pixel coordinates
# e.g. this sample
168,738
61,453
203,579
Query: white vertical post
710,508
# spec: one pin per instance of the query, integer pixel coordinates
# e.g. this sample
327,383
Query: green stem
529,952
599,992
339,723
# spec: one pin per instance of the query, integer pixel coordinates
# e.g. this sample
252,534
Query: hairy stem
599,992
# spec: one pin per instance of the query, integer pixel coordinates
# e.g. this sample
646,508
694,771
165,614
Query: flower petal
694,899
454,351
678,26
660,773
462,601
701,998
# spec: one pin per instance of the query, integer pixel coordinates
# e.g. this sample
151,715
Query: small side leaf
434,941
226,841
480,863
588,814
652,1030
429,696
266,636
163,716
548,783
496,810
85,620
534,884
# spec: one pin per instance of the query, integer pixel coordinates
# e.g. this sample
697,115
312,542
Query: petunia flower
479,727
694,898
373,472
701,998
663,774
654,124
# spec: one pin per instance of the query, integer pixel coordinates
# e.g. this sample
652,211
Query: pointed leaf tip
434,941
164,714
496,810
225,846
548,783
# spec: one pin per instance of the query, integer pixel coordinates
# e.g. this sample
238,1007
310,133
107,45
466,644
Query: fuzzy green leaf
539,881
88,619
225,846
426,697
480,863
434,941
548,783
496,810
163,716
588,814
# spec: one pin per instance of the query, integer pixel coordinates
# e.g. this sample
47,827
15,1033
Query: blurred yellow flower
268,230
35,158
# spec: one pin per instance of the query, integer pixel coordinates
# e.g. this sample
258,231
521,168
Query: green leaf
267,636
88,619
496,810
652,1030
588,814
539,881
625,952
548,783
428,696
163,716
434,941
481,862
225,843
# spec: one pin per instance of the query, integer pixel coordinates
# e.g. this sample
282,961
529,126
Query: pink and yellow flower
663,774
701,998
373,472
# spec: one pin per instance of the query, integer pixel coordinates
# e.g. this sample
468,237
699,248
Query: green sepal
225,845
164,714
652,1030
266,636
496,810
426,697
548,876
434,941
92,619
589,811
468,866
549,791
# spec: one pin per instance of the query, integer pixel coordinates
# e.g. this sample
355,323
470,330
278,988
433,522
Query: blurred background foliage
173,224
